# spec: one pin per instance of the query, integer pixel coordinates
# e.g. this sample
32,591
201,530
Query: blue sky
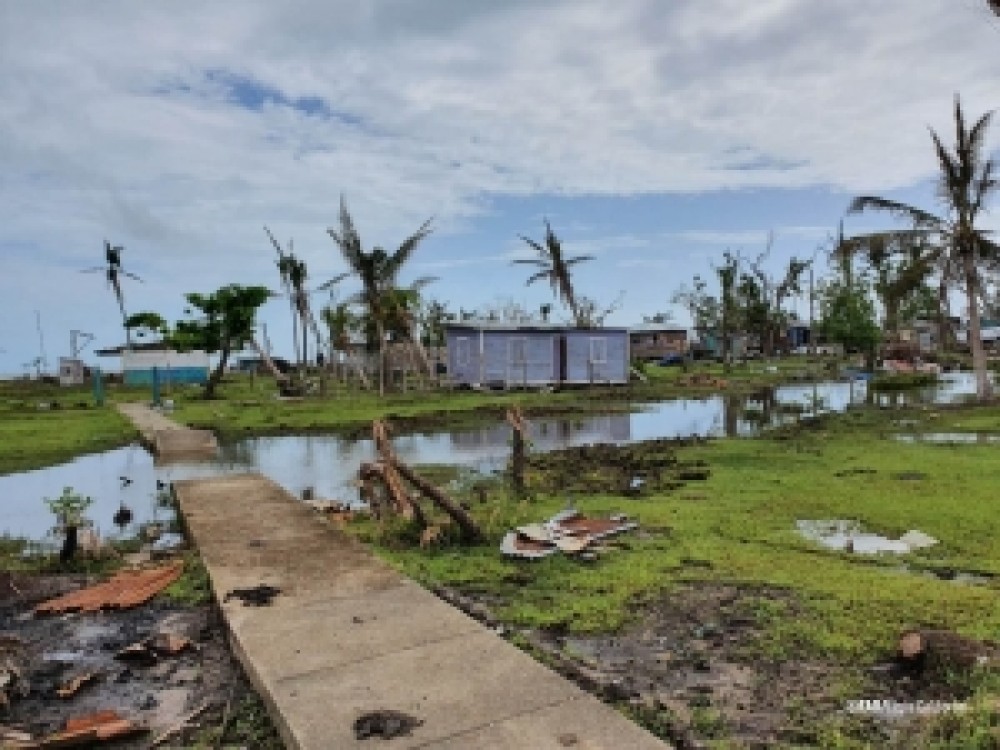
652,135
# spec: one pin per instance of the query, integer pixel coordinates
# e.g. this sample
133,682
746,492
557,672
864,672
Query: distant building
71,371
173,367
501,354
650,341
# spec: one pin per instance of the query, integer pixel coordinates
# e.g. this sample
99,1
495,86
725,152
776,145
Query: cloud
179,129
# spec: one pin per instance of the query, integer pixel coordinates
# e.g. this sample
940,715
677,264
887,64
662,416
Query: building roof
657,328
531,326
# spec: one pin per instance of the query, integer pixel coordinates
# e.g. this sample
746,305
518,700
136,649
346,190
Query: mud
160,691
691,669
631,470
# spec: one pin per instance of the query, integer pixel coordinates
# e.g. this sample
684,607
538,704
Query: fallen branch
470,531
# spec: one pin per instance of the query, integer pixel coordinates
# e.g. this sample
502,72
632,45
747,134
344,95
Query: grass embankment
44,424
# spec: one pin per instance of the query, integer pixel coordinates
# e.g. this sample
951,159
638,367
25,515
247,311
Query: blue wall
168,376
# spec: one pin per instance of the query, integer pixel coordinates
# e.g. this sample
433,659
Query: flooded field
328,463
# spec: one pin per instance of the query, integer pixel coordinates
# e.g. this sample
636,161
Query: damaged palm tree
388,471
518,449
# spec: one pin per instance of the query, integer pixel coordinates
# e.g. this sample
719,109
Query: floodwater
328,464
849,536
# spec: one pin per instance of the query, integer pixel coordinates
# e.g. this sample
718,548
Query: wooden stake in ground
400,498
518,449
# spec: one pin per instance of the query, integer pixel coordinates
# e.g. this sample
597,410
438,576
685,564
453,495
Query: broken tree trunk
469,528
400,498
403,504
943,651
518,449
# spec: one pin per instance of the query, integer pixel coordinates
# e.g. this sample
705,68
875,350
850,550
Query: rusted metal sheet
123,590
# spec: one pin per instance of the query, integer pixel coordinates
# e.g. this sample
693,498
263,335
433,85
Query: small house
139,361
650,341
485,353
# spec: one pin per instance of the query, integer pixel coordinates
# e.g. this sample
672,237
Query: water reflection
328,463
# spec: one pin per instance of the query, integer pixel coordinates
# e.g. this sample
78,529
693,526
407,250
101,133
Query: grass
44,424
738,527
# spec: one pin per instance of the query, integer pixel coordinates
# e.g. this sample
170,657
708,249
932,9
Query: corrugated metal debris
568,531
127,588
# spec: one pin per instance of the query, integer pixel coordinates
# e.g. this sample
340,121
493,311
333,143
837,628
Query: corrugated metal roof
127,588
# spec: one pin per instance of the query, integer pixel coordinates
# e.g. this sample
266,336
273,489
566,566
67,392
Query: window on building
598,350
517,350
463,351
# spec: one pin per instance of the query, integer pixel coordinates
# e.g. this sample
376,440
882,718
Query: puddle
841,535
950,438
327,464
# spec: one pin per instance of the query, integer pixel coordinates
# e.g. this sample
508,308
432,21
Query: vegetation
554,266
955,243
387,306
848,316
113,271
226,325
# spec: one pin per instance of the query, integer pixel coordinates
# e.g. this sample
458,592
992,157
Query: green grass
739,526
43,424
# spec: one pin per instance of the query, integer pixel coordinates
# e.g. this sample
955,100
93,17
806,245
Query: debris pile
569,532
384,723
383,490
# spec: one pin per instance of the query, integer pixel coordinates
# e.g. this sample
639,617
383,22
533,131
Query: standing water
328,464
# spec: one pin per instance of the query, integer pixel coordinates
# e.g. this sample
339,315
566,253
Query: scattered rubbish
71,688
181,725
568,531
127,588
146,652
12,681
384,723
13,737
257,596
848,536
85,731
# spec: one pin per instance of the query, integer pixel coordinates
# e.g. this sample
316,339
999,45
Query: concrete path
349,635
167,439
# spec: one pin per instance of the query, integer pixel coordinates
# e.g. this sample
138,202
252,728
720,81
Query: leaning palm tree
965,184
378,272
995,5
555,267
113,271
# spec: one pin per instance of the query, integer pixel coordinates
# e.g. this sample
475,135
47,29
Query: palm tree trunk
305,347
944,328
381,358
983,389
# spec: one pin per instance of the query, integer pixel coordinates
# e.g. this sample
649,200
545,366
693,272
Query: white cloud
112,124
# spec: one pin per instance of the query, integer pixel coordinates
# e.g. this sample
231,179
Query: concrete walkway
349,635
166,439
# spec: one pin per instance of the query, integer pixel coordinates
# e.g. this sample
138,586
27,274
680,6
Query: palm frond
547,274
531,262
334,281
347,238
421,282
130,275
405,250
984,187
918,216
577,259
543,254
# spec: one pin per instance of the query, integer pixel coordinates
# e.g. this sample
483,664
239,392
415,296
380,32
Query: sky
652,135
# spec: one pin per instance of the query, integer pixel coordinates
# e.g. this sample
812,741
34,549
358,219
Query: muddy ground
50,651
690,670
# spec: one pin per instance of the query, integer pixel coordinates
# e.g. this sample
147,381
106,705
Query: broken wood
393,485
469,529
402,501
518,449
943,650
